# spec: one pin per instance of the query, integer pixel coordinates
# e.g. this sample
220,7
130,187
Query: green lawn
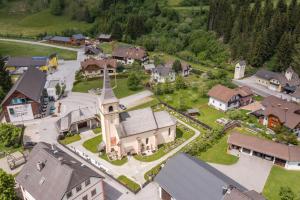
209,115
182,135
92,144
14,21
97,130
121,90
279,177
129,183
71,139
218,153
22,49
107,47
152,172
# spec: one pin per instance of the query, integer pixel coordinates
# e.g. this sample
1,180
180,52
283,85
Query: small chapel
135,132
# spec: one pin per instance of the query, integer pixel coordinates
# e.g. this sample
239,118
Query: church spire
107,93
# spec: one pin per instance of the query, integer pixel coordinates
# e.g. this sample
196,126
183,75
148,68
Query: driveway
259,89
249,171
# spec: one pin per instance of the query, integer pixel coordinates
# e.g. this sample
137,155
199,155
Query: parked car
29,145
122,107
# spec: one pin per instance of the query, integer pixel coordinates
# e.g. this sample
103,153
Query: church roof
107,93
143,120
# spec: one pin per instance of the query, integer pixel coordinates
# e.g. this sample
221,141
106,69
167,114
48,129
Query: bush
10,135
134,82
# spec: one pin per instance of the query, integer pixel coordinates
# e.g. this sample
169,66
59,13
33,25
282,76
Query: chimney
224,190
40,166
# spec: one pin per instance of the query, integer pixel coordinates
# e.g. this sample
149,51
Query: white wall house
162,74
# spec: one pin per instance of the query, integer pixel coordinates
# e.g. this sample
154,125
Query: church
135,132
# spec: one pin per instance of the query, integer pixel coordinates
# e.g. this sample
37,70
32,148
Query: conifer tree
284,52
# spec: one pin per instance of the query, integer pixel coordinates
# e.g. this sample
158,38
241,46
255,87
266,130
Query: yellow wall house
17,65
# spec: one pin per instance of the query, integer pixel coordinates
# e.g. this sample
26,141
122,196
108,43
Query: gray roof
187,178
59,175
149,66
31,84
162,70
107,93
92,50
193,110
143,120
242,62
26,62
104,36
60,39
75,116
78,36
268,75
235,194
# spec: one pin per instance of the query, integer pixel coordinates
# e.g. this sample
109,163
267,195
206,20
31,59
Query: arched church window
110,109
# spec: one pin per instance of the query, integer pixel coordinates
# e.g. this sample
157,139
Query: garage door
82,125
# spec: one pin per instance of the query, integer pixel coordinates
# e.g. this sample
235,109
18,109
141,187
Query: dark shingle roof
107,93
60,39
78,37
162,70
59,175
26,62
31,84
187,178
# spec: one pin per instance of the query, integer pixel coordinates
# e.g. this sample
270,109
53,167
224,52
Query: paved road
39,43
259,89
249,171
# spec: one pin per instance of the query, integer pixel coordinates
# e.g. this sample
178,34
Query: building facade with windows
23,102
134,132
51,174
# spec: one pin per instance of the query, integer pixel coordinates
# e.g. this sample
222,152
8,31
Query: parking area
250,171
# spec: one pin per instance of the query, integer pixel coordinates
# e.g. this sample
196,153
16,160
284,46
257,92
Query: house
185,67
239,71
280,154
127,55
92,50
77,40
186,178
52,174
162,74
280,82
134,132
149,67
24,100
77,119
224,98
105,37
278,112
95,68
18,65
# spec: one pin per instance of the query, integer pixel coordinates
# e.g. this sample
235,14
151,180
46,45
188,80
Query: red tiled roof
109,62
137,53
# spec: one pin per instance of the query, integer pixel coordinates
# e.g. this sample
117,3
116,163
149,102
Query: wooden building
23,102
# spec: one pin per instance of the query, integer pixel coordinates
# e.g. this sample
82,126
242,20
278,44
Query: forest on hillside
259,31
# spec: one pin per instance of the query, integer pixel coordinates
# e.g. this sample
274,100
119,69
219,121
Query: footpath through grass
22,49
120,91
70,139
129,183
280,177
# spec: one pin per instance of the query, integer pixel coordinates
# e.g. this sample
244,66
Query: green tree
56,7
296,58
7,186
117,32
284,52
10,135
134,82
5,80
180,83
58,89
176,66
286,193
156,10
